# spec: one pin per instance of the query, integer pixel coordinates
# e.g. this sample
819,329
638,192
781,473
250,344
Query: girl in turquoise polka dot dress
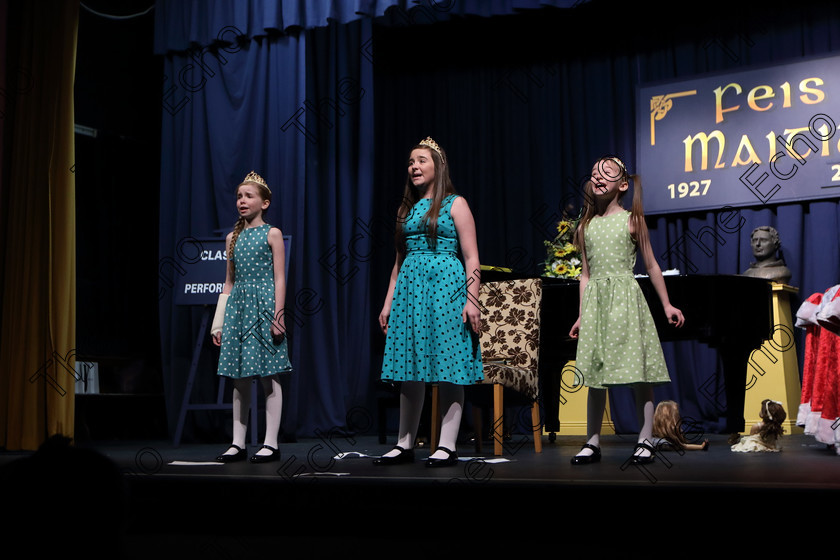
430,316
617,340
249,324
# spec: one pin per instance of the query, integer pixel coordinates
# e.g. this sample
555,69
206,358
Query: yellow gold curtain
38,327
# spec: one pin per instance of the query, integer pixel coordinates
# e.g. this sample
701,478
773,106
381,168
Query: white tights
412,396
242,408
596,404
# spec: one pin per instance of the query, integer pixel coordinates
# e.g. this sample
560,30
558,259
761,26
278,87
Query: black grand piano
730,313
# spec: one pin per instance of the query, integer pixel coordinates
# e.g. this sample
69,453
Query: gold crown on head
253,177
428,142
619,163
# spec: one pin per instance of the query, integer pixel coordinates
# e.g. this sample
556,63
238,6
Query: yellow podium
572,414
773,369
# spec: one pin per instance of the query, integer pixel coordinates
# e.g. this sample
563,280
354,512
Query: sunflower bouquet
563,258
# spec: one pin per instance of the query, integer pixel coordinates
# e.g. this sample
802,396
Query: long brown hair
773,416
441,188
590,209
265,194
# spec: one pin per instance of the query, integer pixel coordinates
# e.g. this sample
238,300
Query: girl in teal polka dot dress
430,316
249,324
617,340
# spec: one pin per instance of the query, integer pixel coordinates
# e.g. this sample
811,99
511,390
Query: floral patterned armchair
510,334
510,343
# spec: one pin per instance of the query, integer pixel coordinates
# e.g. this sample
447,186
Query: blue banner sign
747,138
200,270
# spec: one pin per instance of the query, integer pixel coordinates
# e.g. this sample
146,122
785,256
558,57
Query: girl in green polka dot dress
430,316
617,340
249,324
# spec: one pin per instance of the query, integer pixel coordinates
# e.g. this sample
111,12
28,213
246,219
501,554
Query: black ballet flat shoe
638,460
587,459
447,462
232,457
275,454
405,456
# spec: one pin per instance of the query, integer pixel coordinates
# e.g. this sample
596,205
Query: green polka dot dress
427,339
248,348
618,343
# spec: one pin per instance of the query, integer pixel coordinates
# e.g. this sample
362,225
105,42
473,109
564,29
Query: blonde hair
265,194
667,424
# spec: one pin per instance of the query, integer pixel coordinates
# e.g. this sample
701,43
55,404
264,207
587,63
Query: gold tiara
618,162
255,178
433,145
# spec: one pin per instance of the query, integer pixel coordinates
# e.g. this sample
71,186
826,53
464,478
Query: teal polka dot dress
248,349
618,343
427,339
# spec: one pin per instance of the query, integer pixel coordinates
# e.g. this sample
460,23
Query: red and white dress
819,408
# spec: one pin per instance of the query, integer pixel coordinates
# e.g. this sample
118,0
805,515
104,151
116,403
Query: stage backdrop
523,101
524,105
286,89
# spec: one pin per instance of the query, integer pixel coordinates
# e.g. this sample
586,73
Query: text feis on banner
748,138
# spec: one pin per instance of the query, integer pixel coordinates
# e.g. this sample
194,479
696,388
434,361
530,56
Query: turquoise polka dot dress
248,348
427,339
618,343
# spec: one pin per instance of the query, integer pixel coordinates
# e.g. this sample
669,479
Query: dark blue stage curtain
284,88
524,104
223,112
323,98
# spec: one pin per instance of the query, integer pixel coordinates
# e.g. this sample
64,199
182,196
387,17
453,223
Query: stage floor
328,494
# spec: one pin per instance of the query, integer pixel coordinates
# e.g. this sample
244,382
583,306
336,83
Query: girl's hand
383,319
278,328
675,316
472,315
575,329
217,339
